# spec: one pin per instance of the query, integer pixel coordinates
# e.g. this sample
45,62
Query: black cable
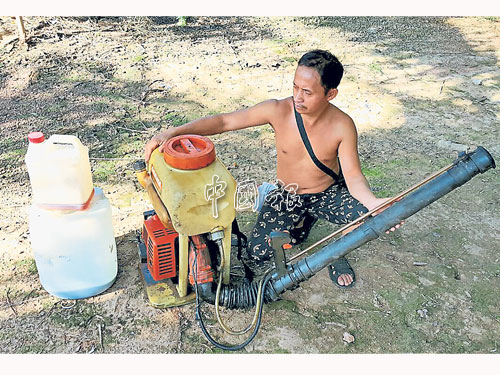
199,318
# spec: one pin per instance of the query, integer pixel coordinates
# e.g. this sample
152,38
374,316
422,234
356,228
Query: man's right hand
157,141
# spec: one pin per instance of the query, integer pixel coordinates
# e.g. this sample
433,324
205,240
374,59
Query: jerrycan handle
56,139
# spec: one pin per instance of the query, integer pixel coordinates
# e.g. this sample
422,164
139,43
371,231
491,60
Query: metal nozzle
139,166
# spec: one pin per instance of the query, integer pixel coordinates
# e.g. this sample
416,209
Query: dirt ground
419,90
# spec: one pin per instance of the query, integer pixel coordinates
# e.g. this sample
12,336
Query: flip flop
340,267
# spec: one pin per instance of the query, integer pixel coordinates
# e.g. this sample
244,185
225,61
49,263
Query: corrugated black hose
234,296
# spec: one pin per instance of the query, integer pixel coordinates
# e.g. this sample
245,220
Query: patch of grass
130,147
410,278
48,303
14,156
174,119
146,322
182,21
81,315
289,59
403,323
3,336
375,67
383,192
283,305
96,68
57,107
110,95
102,133
211,113
484,294
33,348
446,241
442,330
388,178
130,330
6,143
396,239
276,348
139,58
381,179
194,343
349,77
282,47
27,265
100,107
374,172
76,76
290,42
477,138
251,133
108,340
104,170
375,330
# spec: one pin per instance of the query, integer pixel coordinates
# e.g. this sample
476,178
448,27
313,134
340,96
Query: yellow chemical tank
193,184
193,193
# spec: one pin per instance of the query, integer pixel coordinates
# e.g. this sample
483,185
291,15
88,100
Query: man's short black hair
327,65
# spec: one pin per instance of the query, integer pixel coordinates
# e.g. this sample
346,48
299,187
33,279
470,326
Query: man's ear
332,93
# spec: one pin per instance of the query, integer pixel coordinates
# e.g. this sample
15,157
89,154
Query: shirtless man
332,135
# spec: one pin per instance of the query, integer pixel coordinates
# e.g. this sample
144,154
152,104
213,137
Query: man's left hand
377,202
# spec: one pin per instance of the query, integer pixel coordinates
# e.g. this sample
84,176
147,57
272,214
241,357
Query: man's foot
342,273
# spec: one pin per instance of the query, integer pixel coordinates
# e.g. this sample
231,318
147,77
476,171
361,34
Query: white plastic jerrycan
59,171
75,251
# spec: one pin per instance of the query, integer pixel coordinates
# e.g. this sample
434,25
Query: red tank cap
189,152
36,137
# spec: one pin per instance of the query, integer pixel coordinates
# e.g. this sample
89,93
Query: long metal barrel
466,167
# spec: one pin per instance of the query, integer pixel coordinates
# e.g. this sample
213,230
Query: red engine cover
160,247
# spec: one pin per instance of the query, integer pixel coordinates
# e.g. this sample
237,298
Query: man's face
308,93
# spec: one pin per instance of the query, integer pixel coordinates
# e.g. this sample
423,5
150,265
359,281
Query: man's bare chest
290,146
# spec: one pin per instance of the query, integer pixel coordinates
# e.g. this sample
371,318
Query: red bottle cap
36,137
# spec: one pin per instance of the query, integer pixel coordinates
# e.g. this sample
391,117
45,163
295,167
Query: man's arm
259,114
351,167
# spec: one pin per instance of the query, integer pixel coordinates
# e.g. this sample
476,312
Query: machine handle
188,146
279,242
189,152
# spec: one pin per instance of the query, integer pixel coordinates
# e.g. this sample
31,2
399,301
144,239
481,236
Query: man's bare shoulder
271,106
343,122
285,101
283,106
275,109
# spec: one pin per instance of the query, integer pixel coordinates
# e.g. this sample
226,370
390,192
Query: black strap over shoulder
242,243
307,144
242,239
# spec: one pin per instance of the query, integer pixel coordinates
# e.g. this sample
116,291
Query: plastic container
59,171
75,251
195,187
